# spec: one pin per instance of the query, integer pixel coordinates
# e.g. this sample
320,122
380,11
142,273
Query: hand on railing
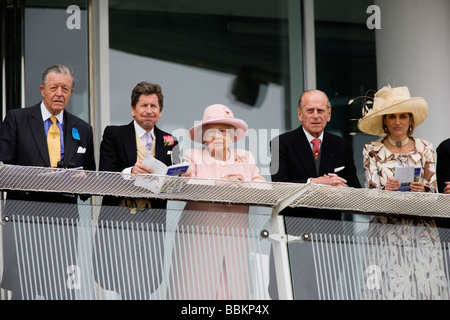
330,179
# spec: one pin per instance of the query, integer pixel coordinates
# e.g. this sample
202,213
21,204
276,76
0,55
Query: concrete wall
413,49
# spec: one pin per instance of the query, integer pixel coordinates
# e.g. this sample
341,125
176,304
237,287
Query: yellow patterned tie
54,143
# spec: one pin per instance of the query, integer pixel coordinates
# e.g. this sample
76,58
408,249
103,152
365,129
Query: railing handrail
264,194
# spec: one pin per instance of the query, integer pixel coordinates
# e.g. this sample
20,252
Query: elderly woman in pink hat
216,267
217,159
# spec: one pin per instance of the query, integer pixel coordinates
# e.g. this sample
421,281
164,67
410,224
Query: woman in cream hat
394,116
221,272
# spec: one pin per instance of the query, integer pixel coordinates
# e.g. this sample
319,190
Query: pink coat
204,166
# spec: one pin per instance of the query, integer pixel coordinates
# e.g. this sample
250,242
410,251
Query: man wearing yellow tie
44,135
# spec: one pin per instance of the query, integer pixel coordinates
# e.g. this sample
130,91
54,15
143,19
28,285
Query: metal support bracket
284,238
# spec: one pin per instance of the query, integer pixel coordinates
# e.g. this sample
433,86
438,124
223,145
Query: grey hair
60,69
313,90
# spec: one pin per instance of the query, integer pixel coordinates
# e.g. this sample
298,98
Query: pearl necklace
398,143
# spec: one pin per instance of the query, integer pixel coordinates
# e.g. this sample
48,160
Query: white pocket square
339,169
81,150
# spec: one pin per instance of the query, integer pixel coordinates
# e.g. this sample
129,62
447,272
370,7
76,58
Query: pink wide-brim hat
219,113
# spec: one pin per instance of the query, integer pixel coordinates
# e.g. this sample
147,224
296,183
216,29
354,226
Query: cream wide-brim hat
219,113
392,100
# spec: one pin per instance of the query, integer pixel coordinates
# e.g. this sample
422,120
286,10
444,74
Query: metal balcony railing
64,251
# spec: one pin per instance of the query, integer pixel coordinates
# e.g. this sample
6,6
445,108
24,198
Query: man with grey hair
309,154
24,133
44,135
295,158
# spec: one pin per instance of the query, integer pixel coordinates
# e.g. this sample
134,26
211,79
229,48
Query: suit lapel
161,151
70,144
129,143
38,132
328,154
304,153
159,145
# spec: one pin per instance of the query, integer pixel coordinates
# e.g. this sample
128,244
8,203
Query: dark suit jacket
293,160
442,175
443,164
23,142
118,151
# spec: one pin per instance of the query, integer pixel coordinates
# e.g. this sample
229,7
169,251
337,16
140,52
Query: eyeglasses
214,132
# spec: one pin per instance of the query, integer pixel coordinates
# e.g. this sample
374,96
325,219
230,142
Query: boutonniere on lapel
75,134
168,141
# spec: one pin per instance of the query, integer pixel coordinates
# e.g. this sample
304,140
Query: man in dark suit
443,183
23,134
443,166
295,158
123,149
292,152
23,142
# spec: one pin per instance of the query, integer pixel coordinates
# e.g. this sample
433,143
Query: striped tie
54,143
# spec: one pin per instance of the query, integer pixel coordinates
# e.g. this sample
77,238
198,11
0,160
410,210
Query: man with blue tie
44,135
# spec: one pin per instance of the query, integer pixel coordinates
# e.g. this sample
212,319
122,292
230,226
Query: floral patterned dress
404,255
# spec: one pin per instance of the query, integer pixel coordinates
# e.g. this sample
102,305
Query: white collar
141,131
310,137
46,114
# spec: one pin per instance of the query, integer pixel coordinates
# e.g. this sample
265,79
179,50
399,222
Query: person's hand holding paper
409,179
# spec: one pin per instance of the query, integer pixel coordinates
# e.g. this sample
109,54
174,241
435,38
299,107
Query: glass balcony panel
347,260
68,252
